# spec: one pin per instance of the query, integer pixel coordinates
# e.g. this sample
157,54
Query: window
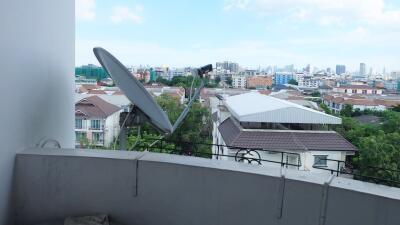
95,124
374,92
78,123
97,137
364,92
320,160
80,136
354,91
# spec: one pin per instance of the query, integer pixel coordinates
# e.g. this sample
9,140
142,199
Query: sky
254,33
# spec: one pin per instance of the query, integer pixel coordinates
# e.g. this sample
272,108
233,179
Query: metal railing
217,151
359,173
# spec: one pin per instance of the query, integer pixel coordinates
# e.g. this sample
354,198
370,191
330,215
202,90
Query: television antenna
145,109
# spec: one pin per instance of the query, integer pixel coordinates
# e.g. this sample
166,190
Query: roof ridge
94,100
238,127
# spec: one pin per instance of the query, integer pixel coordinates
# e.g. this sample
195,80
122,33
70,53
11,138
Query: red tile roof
97,92
283,140
94,107
89,86
365,87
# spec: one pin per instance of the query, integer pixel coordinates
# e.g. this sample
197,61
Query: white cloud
324,12
125,14
84,9
236,4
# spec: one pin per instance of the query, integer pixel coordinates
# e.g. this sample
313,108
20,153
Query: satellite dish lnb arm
200,72
187,108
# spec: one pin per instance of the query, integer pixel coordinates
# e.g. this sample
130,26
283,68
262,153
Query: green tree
396,108
347,110
196,128
316,94
229,81
293,82
217,79
326,109
379,146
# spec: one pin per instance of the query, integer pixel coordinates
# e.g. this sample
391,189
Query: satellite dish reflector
134,91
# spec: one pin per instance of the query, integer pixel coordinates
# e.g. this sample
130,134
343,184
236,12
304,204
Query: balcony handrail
357,173
242,155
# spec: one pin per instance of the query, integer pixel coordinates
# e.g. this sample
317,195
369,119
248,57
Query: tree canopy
293,82
196,128
186,82
378,144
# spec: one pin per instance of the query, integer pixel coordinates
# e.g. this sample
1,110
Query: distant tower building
226,65
308,69
363,70
340,69
395,75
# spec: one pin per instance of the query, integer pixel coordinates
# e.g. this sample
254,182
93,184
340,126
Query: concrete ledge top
108,154
212,164
366,187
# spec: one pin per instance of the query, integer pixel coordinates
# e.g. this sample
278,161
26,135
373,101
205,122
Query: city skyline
252,33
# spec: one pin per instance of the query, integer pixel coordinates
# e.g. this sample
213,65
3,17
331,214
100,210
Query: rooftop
94,107
282,140
366,87
255,107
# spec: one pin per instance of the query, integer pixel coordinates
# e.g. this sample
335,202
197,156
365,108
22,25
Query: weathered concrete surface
153,189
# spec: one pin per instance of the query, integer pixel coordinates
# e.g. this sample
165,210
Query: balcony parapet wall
151,189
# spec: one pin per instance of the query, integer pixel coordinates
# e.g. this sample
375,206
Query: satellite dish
134,90
144,103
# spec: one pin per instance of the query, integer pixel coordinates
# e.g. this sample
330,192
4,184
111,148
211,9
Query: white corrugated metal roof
255,107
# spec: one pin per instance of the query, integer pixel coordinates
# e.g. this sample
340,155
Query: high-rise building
226,65
282,78
91,72
395,75
363,69
328,70
340,69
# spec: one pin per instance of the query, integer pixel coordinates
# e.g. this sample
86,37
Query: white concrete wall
111,129
37,66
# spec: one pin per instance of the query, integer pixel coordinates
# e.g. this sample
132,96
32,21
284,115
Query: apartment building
239,81
336,102
358,89
278,125
96,122
259,82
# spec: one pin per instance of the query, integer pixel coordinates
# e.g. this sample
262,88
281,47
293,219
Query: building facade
259,82
282,78
227,66
239,81
340,69
336,102
358,89
96,122
363,70
91,72
275,130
